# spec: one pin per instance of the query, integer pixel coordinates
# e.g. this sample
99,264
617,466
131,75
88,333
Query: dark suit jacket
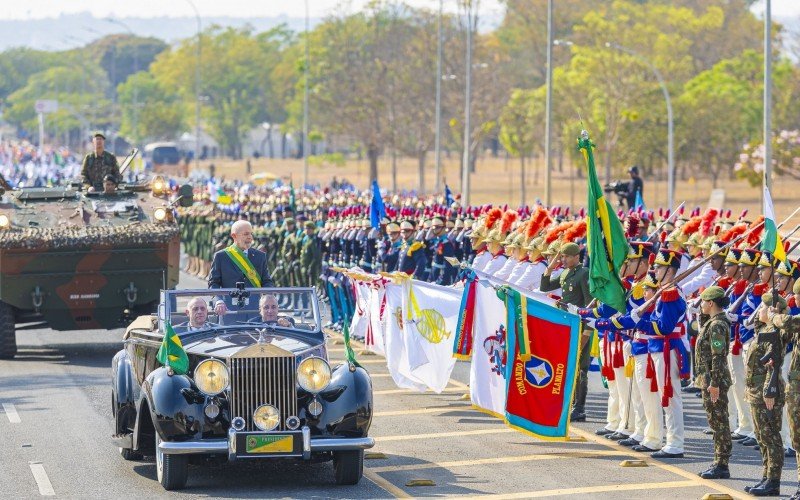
225,274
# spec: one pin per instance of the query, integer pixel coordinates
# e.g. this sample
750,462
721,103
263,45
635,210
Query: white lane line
11,412
42,481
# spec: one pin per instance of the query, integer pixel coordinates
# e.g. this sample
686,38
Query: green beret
288,220
98,134
310,224
571,249
796,286
767,300
712,292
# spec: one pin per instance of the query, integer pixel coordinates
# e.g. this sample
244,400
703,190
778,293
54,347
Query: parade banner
374,339
397,360
542,346
487,376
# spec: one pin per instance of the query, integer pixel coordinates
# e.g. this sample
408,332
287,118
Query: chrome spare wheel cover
159,458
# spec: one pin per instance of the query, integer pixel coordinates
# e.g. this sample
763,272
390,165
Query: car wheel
172,470
8,339
348,466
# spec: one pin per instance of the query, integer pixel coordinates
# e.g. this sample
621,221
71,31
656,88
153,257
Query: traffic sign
46,106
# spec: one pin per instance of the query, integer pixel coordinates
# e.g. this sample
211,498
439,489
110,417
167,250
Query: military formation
708,313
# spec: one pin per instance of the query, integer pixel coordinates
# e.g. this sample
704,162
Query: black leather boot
758,484
716,471
770,488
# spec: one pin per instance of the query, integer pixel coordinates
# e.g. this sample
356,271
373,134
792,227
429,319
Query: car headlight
266,417
314,374
160,214
211,377
159,185
5,221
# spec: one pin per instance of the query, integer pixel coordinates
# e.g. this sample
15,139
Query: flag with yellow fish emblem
606,242
171,353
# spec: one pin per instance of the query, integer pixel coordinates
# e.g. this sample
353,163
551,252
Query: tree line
372,79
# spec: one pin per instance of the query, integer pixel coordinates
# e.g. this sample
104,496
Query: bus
165,158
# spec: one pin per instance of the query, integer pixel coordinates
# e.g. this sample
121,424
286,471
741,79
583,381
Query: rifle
657,231
771,358
127,161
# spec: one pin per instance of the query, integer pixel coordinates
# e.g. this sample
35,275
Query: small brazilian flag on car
171,353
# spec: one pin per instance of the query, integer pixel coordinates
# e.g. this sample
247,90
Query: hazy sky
28,9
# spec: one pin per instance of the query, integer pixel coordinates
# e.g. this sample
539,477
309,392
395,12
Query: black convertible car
258,385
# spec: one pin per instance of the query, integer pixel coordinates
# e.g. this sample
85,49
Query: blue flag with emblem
448,196
376,209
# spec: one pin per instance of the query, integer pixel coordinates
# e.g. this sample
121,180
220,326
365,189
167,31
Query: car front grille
258,381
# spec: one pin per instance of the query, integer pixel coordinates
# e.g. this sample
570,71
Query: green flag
348,350
606,243
171,353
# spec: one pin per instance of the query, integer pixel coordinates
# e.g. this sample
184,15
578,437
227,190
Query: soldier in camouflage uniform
98,164
712,376
790,333
764,390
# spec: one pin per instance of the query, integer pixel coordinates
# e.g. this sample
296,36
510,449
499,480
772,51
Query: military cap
788,268
571,249
677,236
796,287
536,244
438,218
393,227
552,248
768,300
718,247
749,257
494,235
98,134
640,250
667,257
406,224
766,260
309,224
712,292
289,220
733,256
649,281
110,177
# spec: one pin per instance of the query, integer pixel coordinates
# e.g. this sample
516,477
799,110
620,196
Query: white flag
378,319
487,384
395,341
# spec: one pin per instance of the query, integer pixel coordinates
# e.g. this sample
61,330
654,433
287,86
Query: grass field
498,181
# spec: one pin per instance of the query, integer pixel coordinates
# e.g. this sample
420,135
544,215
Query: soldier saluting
98,164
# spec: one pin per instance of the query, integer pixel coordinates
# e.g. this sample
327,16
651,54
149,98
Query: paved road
56,423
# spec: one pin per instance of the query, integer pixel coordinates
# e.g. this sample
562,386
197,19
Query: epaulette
670,295
760,289
414,247
791,302
740,287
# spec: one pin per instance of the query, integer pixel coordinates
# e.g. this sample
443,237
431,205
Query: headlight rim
7,223
163,212
227,377
299,378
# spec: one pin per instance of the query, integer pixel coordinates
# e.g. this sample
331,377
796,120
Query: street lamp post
305,104
670,128
135,117
437,137
465,173
197,88
767,95
548,159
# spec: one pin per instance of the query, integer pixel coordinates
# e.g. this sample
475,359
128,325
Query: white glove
590,322
635,316
572,308
692,310
732,317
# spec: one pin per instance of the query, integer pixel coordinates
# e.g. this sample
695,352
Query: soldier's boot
757,485
578,410
716,471
770,488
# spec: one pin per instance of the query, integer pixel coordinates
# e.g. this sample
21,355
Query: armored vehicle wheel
172,470
8,340
348,466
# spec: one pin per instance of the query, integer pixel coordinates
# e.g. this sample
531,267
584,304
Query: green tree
156,113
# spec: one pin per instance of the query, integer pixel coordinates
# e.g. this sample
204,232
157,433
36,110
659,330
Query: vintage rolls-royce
257,385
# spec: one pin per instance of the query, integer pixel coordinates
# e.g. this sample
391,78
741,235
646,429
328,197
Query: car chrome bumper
228,446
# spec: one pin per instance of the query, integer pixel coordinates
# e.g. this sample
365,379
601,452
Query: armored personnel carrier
73,260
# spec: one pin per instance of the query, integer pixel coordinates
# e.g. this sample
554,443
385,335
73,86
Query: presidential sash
241,261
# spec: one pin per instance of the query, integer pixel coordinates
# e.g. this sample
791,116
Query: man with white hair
239,263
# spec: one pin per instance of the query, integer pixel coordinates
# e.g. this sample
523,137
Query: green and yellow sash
243,263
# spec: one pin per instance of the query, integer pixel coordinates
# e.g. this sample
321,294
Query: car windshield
194,310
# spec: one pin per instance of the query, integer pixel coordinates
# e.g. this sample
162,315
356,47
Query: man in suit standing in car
239,263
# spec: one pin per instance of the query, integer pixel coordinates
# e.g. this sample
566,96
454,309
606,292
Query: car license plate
269,444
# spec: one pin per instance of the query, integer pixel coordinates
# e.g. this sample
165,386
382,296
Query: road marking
503,460
411,391
42,481
670,468
590,489
479,432
421,411
11,412
385,484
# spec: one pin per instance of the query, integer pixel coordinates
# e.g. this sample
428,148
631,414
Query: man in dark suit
238,263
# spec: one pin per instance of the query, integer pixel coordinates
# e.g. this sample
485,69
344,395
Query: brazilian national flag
606,243
171,352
